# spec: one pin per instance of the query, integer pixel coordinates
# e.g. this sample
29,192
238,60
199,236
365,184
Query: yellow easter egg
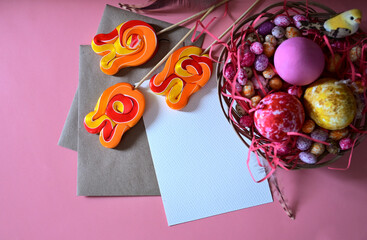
330,104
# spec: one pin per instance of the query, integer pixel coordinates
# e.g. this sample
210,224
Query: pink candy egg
298,19
277,114
299,61
256,48
248,59
282,21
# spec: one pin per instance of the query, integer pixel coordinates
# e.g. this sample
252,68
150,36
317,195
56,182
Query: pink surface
39,75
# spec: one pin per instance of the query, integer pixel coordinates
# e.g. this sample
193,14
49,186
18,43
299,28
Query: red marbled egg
277,114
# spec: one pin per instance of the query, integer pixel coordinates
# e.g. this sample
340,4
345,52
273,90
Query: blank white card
199,160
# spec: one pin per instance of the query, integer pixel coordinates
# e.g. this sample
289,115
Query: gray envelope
128,169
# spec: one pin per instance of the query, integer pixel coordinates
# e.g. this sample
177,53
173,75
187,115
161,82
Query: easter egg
282,21
330,103
299,61
265,28
291,32
261,62
298,19
256,48
278,32
277,114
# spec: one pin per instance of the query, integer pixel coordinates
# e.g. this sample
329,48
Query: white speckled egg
278,32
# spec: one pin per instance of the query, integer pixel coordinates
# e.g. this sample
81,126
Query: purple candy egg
303,144
265,28
256,48
297,19
229,71
319,134
261,62
282,21
307,157
248,59
242,76
263,82
260,79
278,32
346,143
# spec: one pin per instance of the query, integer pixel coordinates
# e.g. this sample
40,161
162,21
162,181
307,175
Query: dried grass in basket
246,135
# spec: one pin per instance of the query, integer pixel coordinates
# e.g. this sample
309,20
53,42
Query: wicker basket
245,134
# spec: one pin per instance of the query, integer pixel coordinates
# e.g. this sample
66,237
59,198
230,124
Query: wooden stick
178,44
229,29
183,21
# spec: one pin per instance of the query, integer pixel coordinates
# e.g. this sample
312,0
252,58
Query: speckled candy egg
265,28
277,114
317,149
248,59
240,110
275,83
308,126
256,48
251,37
261,62
248,90
246,121
330,104
255,100
278,32
271,39
291,32
320,135
268,49
299,61
307,157
268,72
242,76
355,53
338,134
249,72
346,143
229,71
295,91
298,19
259,80
282,21
284,149
303,144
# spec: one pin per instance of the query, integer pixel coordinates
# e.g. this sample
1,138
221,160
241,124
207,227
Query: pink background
39,75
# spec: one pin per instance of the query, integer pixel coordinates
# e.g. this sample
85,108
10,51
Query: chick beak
358,20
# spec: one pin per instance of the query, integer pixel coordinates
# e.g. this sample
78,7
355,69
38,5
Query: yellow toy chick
344,24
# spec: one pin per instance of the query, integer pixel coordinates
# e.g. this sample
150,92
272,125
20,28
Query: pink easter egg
277,114
299,61
247,59
282,21
256,48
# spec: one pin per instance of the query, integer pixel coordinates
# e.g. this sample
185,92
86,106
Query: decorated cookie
185,72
